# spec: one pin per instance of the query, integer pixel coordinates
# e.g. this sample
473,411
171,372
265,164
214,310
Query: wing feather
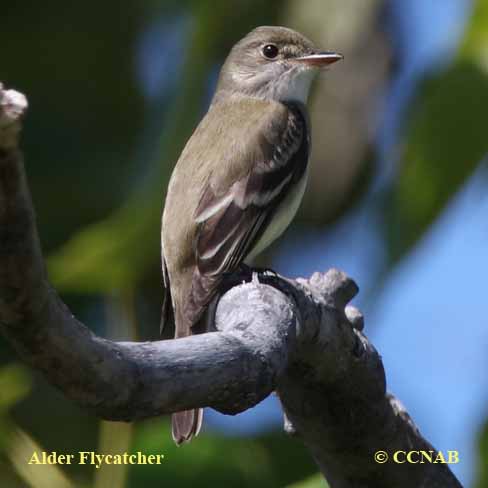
232,219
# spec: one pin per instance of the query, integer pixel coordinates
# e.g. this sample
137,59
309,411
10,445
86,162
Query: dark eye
270,51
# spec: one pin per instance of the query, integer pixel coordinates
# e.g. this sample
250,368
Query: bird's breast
282,217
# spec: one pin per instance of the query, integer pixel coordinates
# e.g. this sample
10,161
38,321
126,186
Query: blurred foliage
15,444
20,450
114,437
119,250
15,384
475,42
316,481
445,139
83,94
343,104
482,465
446,142
220,461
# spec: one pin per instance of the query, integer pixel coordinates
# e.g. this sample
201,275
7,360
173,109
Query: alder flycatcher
240,179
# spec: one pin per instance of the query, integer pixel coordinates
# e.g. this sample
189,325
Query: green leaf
475,42
208,461
20,449
482,478
316,481
215,460
111,254
447,138
15,385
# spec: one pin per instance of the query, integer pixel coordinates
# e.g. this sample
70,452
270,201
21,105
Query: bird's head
274,63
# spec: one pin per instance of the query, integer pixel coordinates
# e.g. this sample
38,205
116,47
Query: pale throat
293,87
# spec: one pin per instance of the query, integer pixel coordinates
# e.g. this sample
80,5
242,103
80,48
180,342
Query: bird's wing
232,216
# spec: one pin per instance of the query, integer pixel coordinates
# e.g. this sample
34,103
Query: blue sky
432,330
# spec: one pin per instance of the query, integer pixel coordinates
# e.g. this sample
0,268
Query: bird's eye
270,51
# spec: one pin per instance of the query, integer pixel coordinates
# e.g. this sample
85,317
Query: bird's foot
246,274
266,272
249,272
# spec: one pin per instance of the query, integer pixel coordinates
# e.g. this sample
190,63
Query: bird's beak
320,60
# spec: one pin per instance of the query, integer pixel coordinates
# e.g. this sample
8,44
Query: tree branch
295,337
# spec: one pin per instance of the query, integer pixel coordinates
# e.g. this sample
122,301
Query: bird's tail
186,425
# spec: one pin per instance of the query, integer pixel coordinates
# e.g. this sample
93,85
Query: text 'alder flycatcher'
240,179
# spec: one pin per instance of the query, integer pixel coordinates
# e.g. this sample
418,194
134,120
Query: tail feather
186,425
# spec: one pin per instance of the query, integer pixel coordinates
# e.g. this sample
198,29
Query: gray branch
298,338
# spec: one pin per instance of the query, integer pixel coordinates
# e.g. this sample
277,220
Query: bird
240,178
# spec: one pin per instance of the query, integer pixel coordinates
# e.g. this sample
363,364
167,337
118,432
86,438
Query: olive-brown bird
240,179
